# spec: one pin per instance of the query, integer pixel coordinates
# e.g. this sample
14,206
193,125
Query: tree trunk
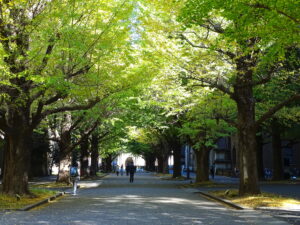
63,175
277,151
166,164
248,165
202,158
84,158
160,166
247,142
177,160
17,162
64,151
107,162
150,162
246,124
165,150
94,155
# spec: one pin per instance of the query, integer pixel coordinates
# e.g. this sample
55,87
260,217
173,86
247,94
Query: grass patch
100,174
181,178
280,181
163,175
207,184
52,185
254,201
10,202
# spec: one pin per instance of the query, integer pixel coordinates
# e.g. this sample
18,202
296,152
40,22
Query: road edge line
226,202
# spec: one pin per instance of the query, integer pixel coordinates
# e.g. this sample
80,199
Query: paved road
289,214
148,200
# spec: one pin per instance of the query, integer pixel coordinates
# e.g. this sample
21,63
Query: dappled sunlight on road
140,200
89,184
148,200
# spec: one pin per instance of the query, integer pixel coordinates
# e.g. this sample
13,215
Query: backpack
73,171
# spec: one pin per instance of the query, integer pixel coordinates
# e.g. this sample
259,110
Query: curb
223,201
29,207
45,201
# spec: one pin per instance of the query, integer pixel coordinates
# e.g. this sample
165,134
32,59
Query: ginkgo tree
254,49
235,47
203,124
57,56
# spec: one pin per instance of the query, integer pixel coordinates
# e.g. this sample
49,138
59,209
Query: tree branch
108,25
265,79
216,27
182,36
85,135
7,89
37,116
100,137
227,120
227,53
54,98
83,70
37,95
262,6
213,84
75,124
90,104
276,108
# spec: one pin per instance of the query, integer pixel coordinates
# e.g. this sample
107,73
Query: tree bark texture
63,175
166,164
150,162
247,140
246,128
202,158
84,158
17,162
165,151
64,152
177,160
107,163
94,155
160,164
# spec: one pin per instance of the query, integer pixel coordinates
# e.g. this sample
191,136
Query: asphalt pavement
290,214
148,200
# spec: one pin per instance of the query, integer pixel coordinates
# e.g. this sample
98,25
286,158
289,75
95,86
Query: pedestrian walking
127,169
121,170
117,170
131,169
75,177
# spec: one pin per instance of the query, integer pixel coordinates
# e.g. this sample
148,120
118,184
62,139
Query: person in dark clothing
131,169
127,169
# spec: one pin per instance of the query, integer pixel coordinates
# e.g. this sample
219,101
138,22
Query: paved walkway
148,200
290,214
